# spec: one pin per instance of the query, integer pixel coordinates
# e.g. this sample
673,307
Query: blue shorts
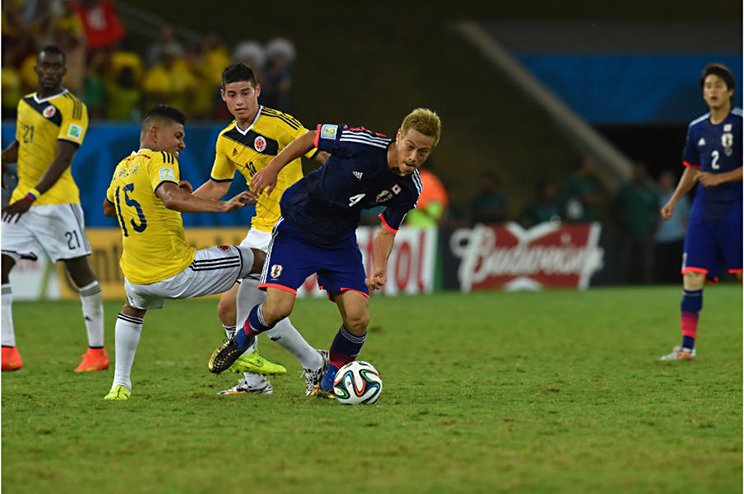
291,259
709,243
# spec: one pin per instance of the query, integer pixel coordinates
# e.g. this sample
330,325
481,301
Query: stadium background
638,91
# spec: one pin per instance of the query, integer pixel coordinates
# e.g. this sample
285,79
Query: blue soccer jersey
715,148
325,206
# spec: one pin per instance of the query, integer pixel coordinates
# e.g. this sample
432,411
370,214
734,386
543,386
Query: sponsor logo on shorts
276,270
259,143
328,131
49,111
74,130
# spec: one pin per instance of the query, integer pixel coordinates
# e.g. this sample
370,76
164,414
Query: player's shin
254,325
128,330
692,304
285,334
92,301
345,348
8,333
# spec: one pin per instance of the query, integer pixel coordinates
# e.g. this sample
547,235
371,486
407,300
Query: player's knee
693,280
356,324
227,312
80,271
259,257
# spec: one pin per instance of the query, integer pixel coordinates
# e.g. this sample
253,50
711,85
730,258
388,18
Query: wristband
32,195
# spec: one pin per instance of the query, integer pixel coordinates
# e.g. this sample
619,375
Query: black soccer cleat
224,356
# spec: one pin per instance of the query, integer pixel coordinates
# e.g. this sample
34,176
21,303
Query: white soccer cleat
263,387
313,376
679,353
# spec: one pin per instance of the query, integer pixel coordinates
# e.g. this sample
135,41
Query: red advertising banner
512,258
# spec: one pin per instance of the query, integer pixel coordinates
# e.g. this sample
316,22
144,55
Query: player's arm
382,246
108,208
180,200
212,189
10,155
65,152
266,178
686,183
712,179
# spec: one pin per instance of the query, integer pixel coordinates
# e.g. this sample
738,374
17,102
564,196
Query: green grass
490,392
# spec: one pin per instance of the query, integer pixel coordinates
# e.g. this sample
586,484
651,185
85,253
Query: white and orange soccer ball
357,383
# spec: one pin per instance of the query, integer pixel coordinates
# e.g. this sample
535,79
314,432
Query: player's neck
392,159
244,123
45,93
718,115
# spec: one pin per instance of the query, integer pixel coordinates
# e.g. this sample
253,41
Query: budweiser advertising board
510,257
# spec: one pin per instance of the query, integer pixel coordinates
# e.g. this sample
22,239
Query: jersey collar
36,98
255,119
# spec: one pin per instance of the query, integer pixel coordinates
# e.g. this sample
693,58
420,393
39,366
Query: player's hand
239,201
376,281
264,180
186,185
709,179
13,212
667,210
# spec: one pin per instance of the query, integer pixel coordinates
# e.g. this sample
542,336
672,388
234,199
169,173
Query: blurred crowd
116,81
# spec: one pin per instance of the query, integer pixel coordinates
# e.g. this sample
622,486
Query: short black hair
53,49
238,72
164,111
721,71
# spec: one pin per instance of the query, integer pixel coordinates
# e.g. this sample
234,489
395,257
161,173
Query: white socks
128,330
92,299
287,336
8,333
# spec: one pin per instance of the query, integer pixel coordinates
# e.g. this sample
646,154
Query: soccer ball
357,383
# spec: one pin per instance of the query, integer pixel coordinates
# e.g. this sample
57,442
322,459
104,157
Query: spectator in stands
201,104
166,44
581,195
169,82
94,92
489,205
100,22
670,235
123,97
253,54
636,208
11,86
280,55
432,202
122,56
544,207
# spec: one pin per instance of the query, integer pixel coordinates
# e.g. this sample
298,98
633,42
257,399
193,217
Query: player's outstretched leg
128,331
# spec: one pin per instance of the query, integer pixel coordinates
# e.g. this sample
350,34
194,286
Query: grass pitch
489,392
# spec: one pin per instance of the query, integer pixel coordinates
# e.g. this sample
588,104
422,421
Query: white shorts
256,239
57,229
214,270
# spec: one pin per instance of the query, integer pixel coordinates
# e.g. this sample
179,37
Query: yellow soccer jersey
41,123
248,151
154,244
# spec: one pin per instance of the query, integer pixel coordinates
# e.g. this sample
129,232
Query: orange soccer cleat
11,359
95,359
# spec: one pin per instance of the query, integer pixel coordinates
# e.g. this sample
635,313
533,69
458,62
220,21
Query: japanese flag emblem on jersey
259,144
276,270
49,111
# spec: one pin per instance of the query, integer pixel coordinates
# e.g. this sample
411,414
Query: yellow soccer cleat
118,393
253,362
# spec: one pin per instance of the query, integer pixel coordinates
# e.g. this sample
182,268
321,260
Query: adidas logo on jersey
358,175
235,151
701,142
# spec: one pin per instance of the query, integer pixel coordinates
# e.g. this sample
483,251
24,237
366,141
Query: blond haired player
147,197
246,146
44,215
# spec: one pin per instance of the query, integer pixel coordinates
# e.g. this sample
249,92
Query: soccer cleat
262,388
95,359
118,393
11,359
679,353
326,384
313,377
253,362
224,356
319,393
